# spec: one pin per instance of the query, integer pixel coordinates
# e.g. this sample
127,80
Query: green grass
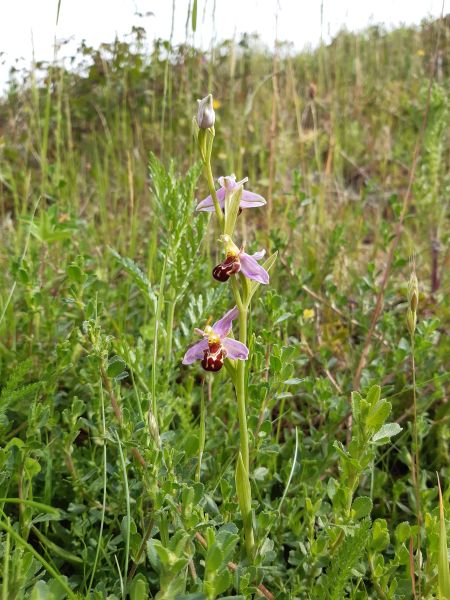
117,463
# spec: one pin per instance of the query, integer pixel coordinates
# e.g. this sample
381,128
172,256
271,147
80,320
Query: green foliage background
105,271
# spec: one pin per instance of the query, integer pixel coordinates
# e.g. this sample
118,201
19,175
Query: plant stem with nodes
243,487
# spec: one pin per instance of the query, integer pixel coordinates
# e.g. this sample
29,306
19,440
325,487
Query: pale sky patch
30,25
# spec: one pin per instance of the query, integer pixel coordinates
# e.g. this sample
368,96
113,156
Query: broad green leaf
41,591
116,366
378,414
403,532
356,404
165,556
373,395
139,588
75,273
222,581
362,507
57,589
387,431
380,535
214,558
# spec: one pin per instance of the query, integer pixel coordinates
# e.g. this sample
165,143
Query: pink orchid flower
216,345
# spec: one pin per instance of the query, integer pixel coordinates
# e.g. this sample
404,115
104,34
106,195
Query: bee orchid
227,186
239,261
216,345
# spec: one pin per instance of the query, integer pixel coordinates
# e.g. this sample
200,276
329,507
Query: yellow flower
308,314
216,104
420,52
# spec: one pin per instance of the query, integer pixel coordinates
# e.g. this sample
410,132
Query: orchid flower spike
227,185
238,260
216,345
205,113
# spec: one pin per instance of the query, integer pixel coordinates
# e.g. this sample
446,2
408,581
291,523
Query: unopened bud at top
413,292
205,114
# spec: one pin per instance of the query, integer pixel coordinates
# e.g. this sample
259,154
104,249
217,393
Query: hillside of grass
117,462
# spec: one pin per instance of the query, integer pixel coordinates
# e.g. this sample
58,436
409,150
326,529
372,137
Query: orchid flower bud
205,114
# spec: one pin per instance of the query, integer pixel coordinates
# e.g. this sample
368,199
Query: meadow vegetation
117,462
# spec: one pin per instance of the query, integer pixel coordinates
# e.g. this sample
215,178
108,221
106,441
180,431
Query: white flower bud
205,114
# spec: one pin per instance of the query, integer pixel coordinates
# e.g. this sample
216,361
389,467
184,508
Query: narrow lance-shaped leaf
194,16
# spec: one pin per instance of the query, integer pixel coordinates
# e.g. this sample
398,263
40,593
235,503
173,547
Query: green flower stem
351,487
240,386
240,392
205,143
128,509
169,326
159,309
201,434
238,299
243,488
